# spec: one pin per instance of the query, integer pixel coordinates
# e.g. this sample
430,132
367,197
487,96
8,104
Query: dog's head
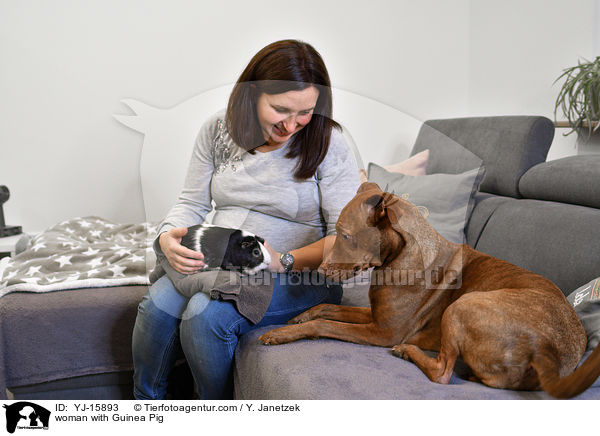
374,228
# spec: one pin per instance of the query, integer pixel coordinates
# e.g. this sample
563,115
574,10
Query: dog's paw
401,351
302,318
273,337
317,312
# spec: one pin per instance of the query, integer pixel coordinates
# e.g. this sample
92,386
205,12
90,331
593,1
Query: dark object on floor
4,229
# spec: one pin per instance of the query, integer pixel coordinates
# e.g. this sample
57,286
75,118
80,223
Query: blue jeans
207,332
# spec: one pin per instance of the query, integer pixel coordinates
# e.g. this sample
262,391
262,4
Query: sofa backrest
557,240
541,216
507,145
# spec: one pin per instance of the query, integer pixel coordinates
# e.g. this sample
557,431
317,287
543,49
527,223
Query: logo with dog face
26,415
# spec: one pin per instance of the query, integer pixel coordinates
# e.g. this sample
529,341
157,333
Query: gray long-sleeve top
258,193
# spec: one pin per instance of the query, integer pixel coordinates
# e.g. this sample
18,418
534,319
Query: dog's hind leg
438,370
334,312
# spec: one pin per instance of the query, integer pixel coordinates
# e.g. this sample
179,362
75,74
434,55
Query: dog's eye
256,252
346,237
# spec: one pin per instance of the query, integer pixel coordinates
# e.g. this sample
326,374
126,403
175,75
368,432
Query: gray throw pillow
446,200
586,302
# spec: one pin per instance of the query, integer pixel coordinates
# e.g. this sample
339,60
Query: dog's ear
368,186
377,211
384,205
392,210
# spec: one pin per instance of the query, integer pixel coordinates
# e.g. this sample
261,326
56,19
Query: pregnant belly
283,235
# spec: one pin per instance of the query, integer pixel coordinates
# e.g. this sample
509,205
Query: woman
275,164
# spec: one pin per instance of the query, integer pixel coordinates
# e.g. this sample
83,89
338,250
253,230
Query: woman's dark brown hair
287,65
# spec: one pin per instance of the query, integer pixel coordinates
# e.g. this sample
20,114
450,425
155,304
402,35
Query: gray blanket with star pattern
82,253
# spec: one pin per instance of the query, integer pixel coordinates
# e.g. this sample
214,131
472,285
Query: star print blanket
82,253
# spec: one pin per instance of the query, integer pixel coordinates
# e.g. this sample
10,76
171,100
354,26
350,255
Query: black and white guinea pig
231,249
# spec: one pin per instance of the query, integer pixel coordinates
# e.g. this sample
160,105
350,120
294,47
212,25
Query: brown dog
513,328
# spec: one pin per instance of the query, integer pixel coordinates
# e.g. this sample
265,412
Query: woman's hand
275,265
181,258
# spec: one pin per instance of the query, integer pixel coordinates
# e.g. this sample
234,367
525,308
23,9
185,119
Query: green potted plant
579,97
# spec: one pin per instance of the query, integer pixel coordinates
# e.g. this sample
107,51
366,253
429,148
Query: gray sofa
543,216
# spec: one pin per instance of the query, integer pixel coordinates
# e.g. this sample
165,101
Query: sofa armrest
574,179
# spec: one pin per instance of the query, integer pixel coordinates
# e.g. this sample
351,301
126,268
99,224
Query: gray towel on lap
251,294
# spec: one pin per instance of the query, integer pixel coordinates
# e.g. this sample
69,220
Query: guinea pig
226,248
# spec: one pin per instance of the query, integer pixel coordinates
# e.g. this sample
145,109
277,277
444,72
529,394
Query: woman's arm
306,258
194,201
193,205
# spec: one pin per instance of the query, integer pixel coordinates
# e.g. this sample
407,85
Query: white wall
518,49
65,65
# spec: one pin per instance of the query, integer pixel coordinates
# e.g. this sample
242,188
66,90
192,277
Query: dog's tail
570,385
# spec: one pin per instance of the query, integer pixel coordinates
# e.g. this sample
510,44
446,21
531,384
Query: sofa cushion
327,369
574,179
334,370
508,146
413,166
556,240
446,200
62,334
485,205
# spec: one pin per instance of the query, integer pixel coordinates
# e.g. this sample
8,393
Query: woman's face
282,115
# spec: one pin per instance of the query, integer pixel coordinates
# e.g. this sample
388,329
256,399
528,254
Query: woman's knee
196,306
163,296
205,316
